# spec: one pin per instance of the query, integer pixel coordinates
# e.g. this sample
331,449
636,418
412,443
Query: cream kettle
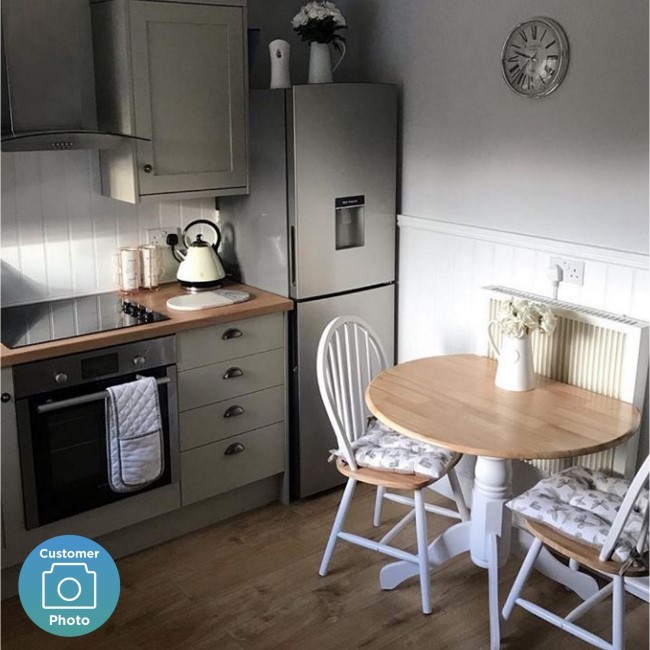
200,267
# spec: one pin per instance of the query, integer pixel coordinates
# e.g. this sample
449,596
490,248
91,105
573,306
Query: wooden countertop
452,402
260,303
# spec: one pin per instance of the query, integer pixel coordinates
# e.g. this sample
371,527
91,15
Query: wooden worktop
452,402
260,303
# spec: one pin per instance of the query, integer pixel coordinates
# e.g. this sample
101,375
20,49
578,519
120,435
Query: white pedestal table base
487,536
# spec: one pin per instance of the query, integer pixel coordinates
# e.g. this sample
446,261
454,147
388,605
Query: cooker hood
48,83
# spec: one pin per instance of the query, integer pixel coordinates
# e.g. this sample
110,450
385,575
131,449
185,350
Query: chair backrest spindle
349,356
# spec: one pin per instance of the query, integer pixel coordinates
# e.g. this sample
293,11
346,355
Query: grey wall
572,166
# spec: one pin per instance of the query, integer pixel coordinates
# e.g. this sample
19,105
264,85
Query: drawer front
223,420
222,381
209,470
229,341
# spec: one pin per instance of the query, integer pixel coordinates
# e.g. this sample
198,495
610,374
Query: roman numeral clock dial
535,57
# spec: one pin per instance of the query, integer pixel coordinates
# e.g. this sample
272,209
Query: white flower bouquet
319,22
518,318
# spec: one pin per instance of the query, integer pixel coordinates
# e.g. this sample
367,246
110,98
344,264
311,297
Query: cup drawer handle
233,411
235,448
232,333
233,372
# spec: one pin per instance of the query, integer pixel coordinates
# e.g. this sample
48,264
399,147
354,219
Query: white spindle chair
596,559
349,356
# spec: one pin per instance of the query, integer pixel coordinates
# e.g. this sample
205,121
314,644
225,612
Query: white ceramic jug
320,63
515,361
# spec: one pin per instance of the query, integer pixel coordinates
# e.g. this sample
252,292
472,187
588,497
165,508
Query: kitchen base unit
231,448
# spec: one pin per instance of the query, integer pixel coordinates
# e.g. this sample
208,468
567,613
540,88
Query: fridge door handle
292,243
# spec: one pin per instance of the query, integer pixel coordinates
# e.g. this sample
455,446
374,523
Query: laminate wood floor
252,583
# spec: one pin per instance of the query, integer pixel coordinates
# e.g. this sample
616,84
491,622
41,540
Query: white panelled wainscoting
59,234
442,267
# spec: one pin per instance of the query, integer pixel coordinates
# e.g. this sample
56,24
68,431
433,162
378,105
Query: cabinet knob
233,411
6,397
147,169
233,372
60,378
232,333
235,448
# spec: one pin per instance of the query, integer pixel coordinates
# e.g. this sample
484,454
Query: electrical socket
158,236
573,271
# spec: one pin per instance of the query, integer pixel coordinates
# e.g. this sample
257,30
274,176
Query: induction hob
62,319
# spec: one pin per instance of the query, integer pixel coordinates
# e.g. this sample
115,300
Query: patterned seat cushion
582,503
383,448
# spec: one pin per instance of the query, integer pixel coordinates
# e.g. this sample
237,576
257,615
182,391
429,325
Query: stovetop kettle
200,267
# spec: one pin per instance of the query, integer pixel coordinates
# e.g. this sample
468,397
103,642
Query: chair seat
382,448
581,504
384,478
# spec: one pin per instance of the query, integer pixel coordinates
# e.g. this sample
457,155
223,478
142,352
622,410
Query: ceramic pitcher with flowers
319,23
517,319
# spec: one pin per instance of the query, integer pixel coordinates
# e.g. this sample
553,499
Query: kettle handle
203,222
491,338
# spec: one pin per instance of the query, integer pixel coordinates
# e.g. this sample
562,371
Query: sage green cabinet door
189,88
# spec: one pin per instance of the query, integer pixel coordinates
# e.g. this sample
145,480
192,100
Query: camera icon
69,586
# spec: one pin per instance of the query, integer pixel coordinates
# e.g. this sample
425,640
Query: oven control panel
77,369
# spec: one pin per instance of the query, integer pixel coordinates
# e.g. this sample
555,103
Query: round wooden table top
452,402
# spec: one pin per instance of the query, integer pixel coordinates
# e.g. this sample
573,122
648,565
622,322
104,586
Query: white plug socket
573,271
158,236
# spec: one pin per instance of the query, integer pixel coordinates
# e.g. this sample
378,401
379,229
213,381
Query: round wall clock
535,57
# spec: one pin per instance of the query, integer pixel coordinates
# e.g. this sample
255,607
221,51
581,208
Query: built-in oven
61,418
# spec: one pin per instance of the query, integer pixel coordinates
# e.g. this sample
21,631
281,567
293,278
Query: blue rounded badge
69,585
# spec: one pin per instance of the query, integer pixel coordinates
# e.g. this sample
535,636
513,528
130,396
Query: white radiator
596,350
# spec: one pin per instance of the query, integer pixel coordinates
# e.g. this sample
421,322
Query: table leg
580,583
449,544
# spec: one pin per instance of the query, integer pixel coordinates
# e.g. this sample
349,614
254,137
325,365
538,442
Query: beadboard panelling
443,267
59,235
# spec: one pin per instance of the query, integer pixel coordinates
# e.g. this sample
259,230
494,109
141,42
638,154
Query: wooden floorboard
252,583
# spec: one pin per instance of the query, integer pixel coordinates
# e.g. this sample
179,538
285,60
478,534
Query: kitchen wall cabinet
232,405
174,75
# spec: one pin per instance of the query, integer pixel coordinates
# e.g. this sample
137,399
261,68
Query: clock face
535,57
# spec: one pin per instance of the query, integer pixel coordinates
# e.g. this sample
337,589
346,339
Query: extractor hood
48,83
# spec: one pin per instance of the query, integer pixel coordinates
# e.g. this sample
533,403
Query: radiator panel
598,351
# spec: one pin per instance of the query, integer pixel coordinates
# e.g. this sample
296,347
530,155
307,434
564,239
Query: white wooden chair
349,355
579,528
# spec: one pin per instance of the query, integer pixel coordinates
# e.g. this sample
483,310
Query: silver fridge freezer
319,227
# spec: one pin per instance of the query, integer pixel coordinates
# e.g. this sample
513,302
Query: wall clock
535,57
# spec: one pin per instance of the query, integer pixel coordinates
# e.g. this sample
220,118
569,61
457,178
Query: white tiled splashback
59,234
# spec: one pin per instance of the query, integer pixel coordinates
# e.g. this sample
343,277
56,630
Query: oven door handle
83,399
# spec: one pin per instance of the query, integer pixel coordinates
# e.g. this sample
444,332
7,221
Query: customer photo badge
69,585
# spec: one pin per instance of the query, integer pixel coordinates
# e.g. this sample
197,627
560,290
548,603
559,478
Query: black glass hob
62,319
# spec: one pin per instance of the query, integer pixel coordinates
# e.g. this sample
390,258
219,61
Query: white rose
514,329
548,322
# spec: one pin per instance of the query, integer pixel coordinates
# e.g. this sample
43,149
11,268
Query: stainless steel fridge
318,227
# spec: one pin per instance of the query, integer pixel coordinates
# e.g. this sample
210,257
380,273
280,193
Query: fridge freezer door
312,436
342,185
